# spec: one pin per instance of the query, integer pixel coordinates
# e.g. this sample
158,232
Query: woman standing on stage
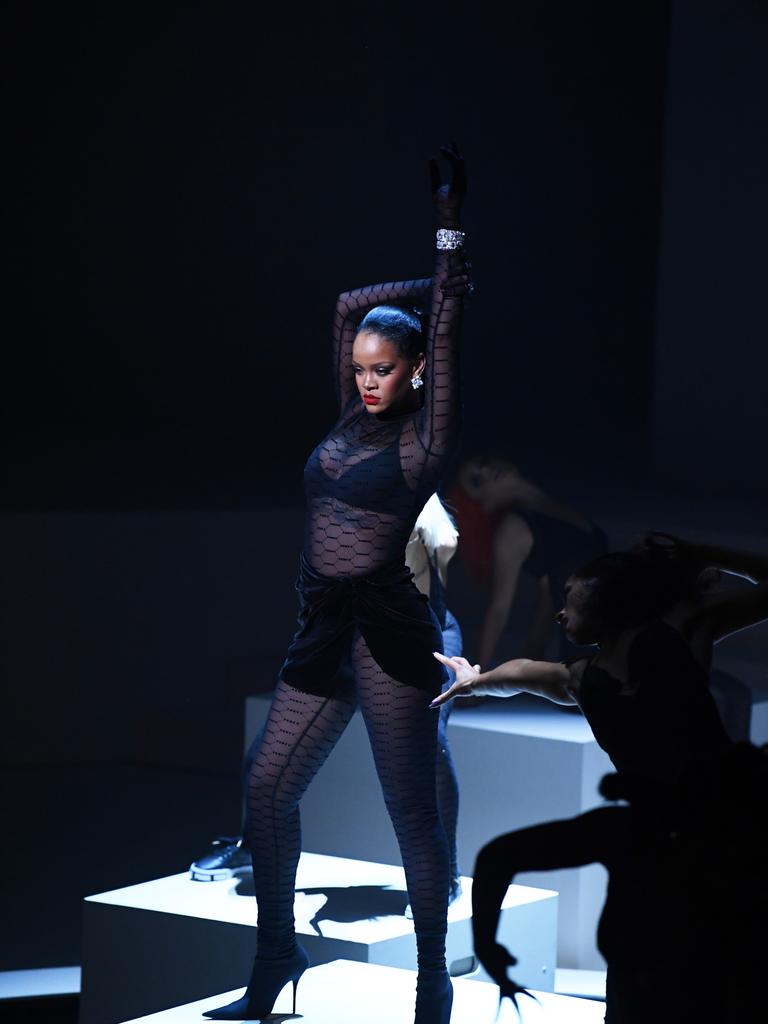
366,634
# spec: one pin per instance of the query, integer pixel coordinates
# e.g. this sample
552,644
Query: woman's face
383,376
492,481
573,617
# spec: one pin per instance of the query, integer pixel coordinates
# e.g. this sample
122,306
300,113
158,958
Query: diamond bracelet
449,240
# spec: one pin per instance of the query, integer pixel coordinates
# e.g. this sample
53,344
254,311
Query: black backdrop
190,185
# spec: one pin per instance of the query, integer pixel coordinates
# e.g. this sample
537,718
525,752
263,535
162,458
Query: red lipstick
371,399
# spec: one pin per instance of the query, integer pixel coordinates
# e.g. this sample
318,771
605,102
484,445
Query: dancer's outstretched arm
550,679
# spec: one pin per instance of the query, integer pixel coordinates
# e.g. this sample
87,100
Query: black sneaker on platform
228,858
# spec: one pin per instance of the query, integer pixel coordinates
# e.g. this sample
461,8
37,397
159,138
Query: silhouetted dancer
682,929
654,616
365,631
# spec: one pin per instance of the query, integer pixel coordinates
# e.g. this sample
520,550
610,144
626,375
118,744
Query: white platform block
344,992
584,984
40,981
520,762
186,939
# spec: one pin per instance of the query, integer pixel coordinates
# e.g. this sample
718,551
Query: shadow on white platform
346,992
185,938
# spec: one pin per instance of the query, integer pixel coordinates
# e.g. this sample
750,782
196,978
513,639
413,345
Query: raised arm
440,413
718,613
351,307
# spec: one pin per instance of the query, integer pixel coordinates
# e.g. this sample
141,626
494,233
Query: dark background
190,190
187,187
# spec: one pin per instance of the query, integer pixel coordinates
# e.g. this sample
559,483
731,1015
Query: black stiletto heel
268,978
295,986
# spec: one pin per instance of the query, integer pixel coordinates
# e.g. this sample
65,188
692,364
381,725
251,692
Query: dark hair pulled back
400,326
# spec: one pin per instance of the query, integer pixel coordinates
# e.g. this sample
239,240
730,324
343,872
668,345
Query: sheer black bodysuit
366,634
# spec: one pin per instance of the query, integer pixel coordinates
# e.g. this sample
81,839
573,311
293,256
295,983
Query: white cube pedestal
155,945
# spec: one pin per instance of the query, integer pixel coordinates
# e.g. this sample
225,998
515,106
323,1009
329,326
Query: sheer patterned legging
300,732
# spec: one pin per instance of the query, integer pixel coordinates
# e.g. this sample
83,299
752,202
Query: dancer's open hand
496,959
449,196
465,676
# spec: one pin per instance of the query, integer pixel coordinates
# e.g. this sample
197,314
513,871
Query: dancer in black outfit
654,618
366,634
683,922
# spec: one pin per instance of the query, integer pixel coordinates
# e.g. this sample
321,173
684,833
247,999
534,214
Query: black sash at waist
394,618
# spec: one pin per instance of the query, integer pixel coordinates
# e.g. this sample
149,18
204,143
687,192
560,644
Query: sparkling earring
417,382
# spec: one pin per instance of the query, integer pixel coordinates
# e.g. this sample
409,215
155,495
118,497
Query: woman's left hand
465,677
449,197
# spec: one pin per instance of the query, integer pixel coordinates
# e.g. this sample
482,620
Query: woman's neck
412,402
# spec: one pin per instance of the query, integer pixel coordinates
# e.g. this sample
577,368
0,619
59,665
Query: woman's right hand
448,197
465,677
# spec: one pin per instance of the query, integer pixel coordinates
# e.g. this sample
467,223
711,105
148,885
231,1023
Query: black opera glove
448,197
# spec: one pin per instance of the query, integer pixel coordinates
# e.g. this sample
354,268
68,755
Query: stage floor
345,992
